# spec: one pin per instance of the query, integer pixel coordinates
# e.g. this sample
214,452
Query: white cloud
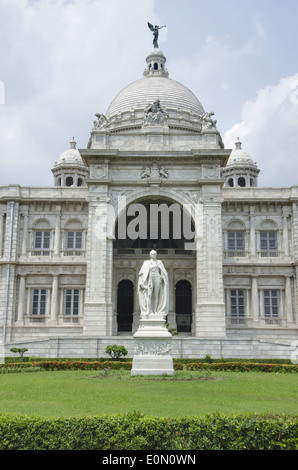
61,62
218,62
268,131
64,60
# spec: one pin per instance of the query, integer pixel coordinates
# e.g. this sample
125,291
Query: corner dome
241,170
69,169
71,156
239,156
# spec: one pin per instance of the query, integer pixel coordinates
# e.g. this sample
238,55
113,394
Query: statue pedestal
152,355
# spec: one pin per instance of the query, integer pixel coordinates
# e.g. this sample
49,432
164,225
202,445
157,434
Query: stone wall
182,347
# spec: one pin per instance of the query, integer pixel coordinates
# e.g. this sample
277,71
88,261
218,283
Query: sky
62,61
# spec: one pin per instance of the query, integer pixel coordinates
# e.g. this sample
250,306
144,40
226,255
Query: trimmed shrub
116,352
77,365
243,367
138,432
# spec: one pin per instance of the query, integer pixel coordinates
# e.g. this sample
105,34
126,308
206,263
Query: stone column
1,234
25,235
22,300
98,307
108,284
57,233
210,309
172,312
252,235
289,301
55,299
285,234
136,310
254,305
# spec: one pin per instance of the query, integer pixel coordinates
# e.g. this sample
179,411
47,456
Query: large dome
141,93
179,107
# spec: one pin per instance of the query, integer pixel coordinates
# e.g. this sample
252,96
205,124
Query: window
241,182
237,304
39,302
236,243
69,181
42,242
268,243
271,303
72,299
74,242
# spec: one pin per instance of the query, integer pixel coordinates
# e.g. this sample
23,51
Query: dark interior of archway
125,295
183,305
158,232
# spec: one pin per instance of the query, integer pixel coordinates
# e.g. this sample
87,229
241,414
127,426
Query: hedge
129,359
77,365
117,365
137,432
243,367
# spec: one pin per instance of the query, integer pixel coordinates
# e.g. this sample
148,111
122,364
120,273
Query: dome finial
73,143
238,144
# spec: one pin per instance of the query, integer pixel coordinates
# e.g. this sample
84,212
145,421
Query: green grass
79,393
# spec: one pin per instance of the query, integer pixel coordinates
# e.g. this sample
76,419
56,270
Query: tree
116,351
21,351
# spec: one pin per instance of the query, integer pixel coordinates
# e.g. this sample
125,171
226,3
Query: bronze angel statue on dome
155,29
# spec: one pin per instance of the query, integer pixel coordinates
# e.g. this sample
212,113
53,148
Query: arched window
41,238
125,296
74,238
183,302
268,239
69,181
235,243
241,182
231,182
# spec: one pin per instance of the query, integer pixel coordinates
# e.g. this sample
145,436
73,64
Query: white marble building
70,254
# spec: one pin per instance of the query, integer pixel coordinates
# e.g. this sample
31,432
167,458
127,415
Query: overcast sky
62,61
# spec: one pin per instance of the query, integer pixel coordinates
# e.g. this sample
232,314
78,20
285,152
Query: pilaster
98,299
210,309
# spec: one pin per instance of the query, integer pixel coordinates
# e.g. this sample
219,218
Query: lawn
87,393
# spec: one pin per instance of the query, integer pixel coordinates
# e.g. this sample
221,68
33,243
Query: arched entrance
183,306
151,223
154,223
125,295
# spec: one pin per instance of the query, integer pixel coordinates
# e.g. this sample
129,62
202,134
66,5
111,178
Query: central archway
154,222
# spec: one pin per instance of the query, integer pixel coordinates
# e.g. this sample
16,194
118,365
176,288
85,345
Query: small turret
241,171
69,170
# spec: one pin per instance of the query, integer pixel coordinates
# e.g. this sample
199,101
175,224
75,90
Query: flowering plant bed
244,367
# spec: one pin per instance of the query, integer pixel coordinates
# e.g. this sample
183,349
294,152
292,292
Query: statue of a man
153,287
155,29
